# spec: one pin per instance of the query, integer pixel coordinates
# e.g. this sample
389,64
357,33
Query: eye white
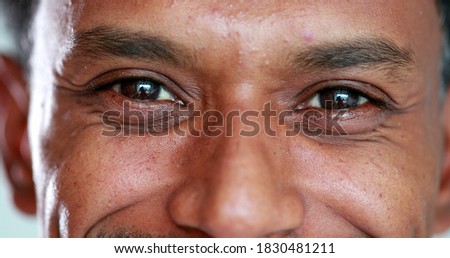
362,100
164,94
315,101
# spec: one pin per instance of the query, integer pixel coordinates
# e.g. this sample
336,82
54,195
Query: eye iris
141,90
339,99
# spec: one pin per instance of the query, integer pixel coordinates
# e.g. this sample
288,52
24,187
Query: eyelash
118,85
373,94
341,98
112,79
358,120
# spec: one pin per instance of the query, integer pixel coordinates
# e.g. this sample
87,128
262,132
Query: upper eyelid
111,84
108,81
330,85
361,93
108,86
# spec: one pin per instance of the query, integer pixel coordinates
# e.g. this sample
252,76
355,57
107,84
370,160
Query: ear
442,222
13,135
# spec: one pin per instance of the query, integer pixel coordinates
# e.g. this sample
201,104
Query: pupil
141,90
338,99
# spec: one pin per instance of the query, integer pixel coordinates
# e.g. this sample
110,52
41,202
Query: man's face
376,61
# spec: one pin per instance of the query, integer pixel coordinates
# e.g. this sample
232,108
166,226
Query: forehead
243,25
254,32
330,17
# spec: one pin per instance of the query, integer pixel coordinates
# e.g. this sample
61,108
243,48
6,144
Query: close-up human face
377,175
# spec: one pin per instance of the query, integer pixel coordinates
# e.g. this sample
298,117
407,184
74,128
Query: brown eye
337,98
144,90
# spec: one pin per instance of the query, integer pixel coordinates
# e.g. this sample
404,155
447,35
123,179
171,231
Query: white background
12,223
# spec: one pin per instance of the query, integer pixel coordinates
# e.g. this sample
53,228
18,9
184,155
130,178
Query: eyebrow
105,42
373,53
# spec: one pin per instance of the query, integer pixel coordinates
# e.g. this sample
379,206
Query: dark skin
389,177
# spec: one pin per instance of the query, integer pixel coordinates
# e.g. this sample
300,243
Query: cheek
379,188
110,175
91,176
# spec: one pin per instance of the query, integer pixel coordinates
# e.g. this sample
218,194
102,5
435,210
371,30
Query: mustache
125,235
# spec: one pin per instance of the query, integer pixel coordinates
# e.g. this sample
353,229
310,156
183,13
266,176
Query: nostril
233,227
184,206
237,192
194,232
290,233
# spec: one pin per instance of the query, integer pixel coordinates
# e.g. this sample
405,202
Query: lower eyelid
355,121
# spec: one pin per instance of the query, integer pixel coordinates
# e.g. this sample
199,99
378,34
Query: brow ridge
360,52
106,41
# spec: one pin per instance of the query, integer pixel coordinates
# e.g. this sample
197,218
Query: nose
239,190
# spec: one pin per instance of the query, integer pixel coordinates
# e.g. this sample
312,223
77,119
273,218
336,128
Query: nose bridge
242,184
241,189
239,192
242,172
237,186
